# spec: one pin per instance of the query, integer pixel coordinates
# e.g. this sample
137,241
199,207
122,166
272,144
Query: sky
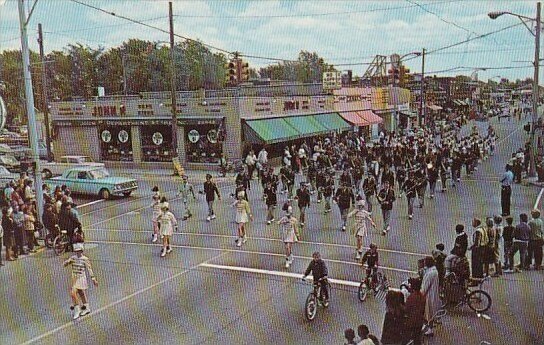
342,32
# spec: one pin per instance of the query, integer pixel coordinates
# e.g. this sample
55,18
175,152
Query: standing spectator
415,310
1,243
262,161
29,229
535,241
506,190
394,323
271,200
19,232
251,161
50,220
479,244
520,242
430,289
349,334
68,221
508,238
364,334
439,258
9,236
489,251
210,190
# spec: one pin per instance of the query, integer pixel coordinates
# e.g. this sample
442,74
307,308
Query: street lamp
536,34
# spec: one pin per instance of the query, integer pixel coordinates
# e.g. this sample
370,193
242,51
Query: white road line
89,203
509,135
282,274
113,304
351,263
264,239
537,202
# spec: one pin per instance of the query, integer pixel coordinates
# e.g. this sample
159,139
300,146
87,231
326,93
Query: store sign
193,136
332,80
212,136
157,138
106,136
108,110
123,136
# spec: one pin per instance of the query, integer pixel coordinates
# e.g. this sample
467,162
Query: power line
149,26
108,26
383,9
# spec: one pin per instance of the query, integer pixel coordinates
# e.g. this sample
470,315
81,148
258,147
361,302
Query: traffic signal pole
422,95
29,95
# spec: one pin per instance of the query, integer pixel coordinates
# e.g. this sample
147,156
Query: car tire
104,194
47,174
127,194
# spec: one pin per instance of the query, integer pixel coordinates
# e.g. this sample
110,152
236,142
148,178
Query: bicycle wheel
362,292
479,301
59,245
310,308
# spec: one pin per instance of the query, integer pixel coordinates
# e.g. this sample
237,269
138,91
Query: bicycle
61,242
457,295
50,237
378,282
314,299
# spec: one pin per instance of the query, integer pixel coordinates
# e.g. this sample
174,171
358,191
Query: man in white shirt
262,161
251,160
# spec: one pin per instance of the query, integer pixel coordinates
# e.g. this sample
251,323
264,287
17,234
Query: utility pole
173,84
532,149
32,131
44,95
422,95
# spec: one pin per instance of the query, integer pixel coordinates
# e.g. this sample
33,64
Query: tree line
133,67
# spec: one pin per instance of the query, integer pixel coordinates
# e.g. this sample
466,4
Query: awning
270,131
369,117
434,107
306,125
280,129
332,121
408,113
354,118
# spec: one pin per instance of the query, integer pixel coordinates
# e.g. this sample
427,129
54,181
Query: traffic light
244,71
231,76
527,128
403,73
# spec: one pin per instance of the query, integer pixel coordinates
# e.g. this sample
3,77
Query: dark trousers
415,335
534,250
29,239
507,250
250,170
522,248
506,193
19,242
477,262
7,255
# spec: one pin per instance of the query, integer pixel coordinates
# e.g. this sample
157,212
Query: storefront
156,143
203,139
115,143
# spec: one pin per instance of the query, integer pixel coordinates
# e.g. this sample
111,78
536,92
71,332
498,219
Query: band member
409,188
386,198
369,189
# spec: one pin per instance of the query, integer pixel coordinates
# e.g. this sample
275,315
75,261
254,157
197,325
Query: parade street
208,291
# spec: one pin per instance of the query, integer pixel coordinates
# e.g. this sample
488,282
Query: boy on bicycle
371,258
80,266
318,268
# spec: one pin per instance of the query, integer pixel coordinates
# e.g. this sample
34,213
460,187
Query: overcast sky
340,31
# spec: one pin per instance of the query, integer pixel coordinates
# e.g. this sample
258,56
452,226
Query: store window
115,143
203,143
156,143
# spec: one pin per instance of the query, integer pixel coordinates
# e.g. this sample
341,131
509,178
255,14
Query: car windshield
8,160
99,173
84,159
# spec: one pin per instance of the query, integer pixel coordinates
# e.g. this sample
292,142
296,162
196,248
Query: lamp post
536,34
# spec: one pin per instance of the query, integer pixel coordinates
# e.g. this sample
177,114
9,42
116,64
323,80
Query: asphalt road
209,291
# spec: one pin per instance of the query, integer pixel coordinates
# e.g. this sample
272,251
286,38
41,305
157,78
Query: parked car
6,176
51,169
91,180
21,152
10,163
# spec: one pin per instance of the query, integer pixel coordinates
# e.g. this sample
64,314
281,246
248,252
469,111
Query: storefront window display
156,143
115,143
203,143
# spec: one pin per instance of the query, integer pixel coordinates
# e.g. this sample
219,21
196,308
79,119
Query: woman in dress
243,214
156,206
290,234
168,223
361,216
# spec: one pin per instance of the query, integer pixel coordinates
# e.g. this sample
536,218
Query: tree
308,68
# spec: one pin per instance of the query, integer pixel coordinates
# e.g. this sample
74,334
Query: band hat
78,247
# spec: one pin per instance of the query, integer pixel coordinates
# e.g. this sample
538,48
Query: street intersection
210,291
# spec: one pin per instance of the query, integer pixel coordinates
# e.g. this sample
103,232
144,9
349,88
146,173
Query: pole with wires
44,95
173,84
